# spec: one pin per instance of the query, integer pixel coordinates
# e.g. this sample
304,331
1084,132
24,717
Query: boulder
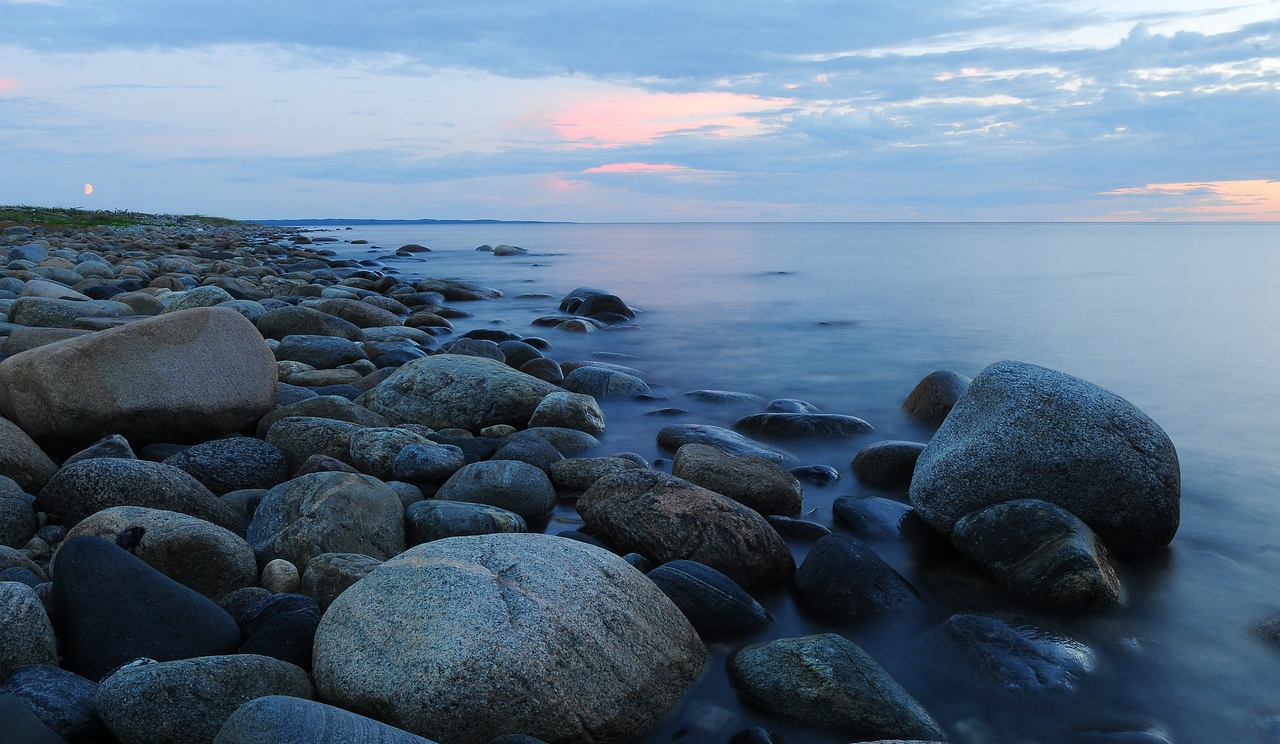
428,463
201,555
233,464
321,352
1023,430
452,391
322,406
1040,552
577,474
190,699
436,519
21,726
871,517
291,320
358,313
111,608
508,484
302,437
1019,655
887,464
17,519
600,382
761,484
713,602
89,486
181,377
62,700
666,518
374,450
26,637
327,513
329,574
841,576
22,459
569,410
280,719
574,645
829,681
934,396
49,312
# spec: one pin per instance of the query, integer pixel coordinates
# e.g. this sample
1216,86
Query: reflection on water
1179,319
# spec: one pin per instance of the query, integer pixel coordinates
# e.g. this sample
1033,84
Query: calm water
1180,319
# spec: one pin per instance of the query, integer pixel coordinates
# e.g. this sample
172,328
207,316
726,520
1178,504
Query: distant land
335,221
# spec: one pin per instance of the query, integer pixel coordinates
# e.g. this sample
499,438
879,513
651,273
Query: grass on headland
78,217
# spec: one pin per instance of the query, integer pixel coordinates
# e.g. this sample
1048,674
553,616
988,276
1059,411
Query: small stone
802,425
280,577
887,464
934,396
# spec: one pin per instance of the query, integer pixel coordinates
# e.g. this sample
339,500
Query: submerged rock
729,442
1020,655
802,425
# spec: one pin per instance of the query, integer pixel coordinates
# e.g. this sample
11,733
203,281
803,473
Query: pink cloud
7,84
634,168
610,121
1211,200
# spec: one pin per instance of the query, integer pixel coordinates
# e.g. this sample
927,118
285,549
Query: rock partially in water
798,529
280,719
790,405
715,605
569,410
579,647
724,397
672,438
887,464
1020,655
667,518
1022,430
934,396
1040,552
871,517
761,484
595,302
803,425
841,576
819,475
190,699
599,382
828,681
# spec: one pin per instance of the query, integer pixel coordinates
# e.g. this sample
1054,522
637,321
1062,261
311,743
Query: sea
1183,320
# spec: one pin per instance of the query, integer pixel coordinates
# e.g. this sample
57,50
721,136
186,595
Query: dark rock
26,637
329,574
233,464
543,369
279,719
569,410
871,517
797,529
667,518
757,482
843,577
1025,430
672,438
62,700
321,352
887,464
301,437
22,459
713,603
570,442
17,518
1040,552
455,290
517,353
374,450
325,406
579,473
599,382
536,452
281,626
828,681
790,405
590,302
819,475
435,519
428,463
111,608
21,726
304,321
1019,655
934,396
724,397
507,484
802,425
112,445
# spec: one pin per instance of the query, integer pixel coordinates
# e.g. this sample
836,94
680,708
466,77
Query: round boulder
563,641
508,484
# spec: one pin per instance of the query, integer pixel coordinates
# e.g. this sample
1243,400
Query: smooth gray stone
828,681
760,483
1024,430
301,437
600,382
329,574
887,464
436,519
321,352
724,397
802,425
934,396
790,405
322,406
729,442
713,602
871,517
798,529
289,321
577,474
1019,655
374,450
570,442
277,719
26,636
508,484
844,577
428,462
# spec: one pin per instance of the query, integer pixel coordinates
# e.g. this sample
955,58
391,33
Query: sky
645,110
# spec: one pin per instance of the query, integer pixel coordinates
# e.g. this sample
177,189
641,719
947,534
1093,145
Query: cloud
7,84
642,117
1224,200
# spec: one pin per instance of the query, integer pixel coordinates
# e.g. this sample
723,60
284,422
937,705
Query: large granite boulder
829,681
327,512
467,638
665,518
180,377
455,391
1023,430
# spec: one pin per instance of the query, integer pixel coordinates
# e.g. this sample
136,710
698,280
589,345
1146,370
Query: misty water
1179,319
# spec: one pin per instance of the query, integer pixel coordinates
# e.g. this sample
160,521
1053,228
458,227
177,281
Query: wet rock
427,462
724,397
201,555
89,486
543,369
1022,429
358,313
871,517
672,438
802,425
566,623
327,513
111,608
436,519
887,464
934,396
22,459
592,302
578,474
819,475
1040,552
26,637
233,464
757,482
843,577
798,529
186,376
456,290
62,700
1019,655
569,410
279,719
599,382
329,574
190,699
667,518
452,391
828,681
516,353
790,405
508,484
715,605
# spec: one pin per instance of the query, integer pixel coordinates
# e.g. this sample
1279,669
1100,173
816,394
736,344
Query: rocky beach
256,492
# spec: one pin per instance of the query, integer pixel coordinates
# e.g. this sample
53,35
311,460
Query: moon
88,189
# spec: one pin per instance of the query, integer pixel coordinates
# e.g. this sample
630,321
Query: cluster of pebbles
254,493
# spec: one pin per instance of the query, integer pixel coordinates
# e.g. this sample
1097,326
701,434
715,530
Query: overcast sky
635,110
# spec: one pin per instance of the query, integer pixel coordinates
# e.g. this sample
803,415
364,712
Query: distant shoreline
337,221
